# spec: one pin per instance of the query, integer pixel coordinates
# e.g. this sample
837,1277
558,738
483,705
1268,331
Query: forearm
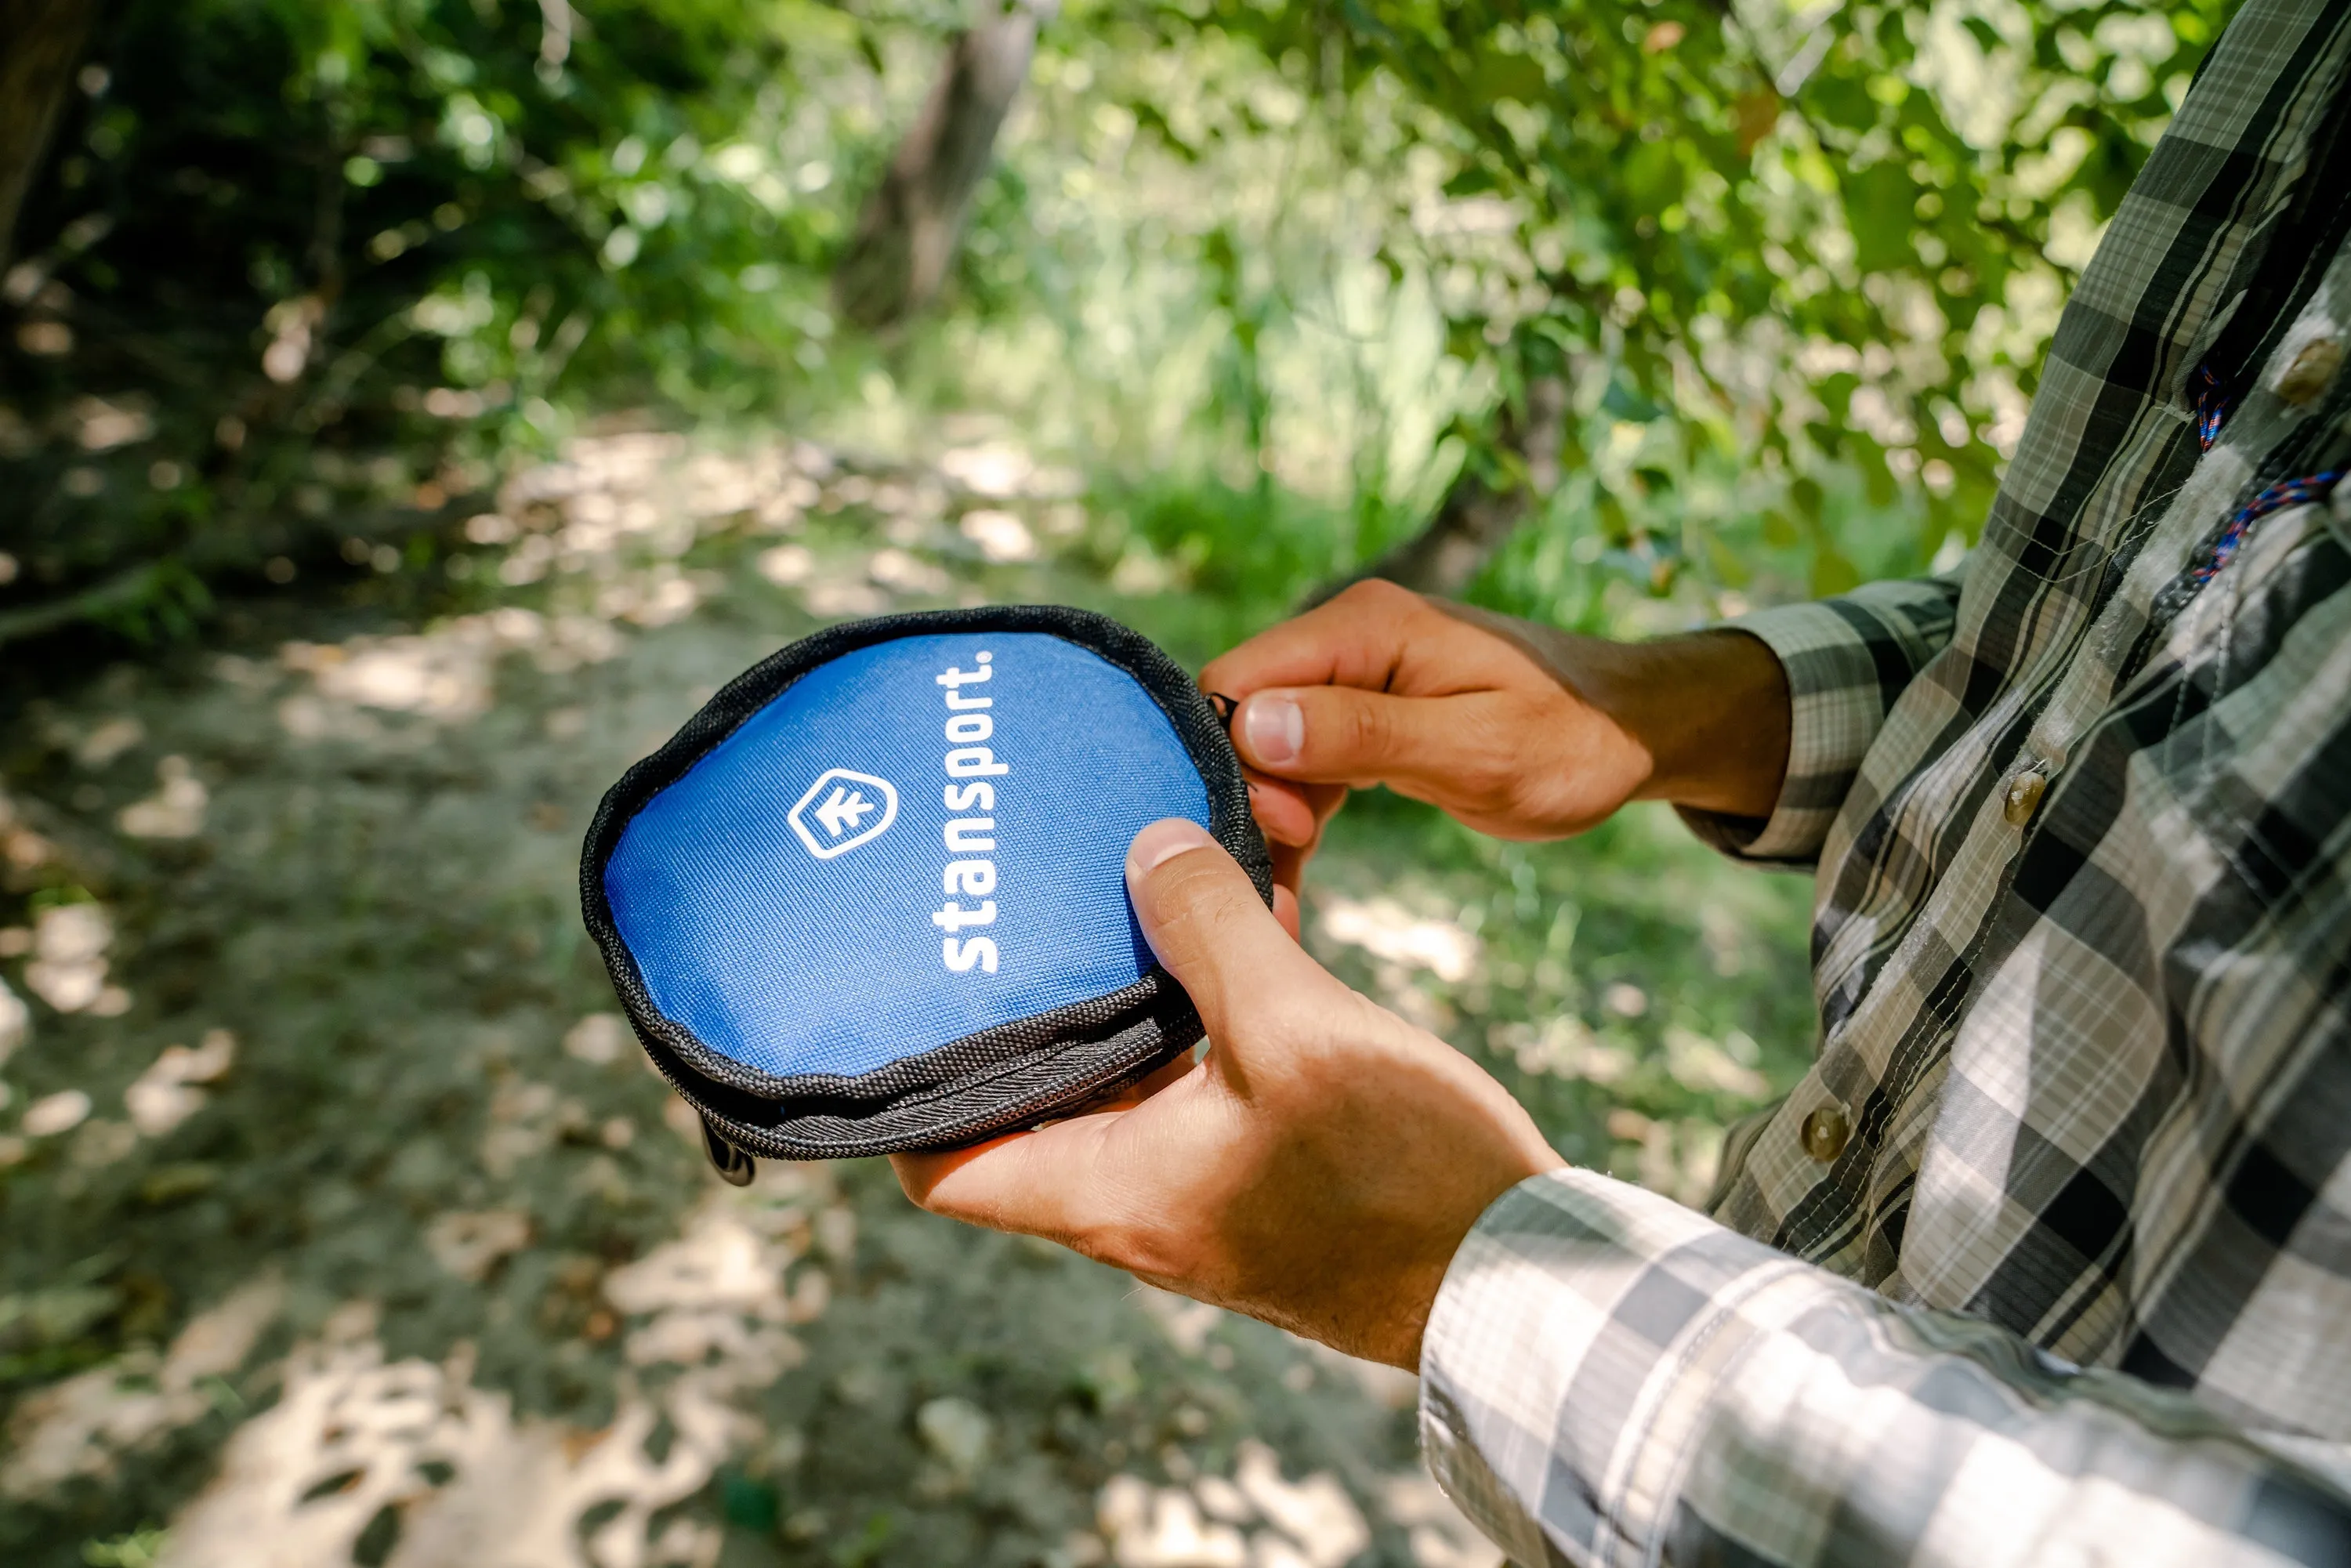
1611,1377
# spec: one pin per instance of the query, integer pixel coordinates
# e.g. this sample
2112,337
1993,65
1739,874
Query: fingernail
1162,840
1275,727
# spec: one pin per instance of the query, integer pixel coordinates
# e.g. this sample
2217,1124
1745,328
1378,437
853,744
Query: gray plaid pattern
2077,1287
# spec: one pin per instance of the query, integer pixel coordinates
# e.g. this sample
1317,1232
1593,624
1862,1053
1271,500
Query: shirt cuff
1846,661
1570,1360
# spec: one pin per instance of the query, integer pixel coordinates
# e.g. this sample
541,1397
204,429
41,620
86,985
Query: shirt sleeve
1610,1378
1847,660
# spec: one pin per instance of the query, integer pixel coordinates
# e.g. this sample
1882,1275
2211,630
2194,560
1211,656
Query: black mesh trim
1005,1076
1049,1078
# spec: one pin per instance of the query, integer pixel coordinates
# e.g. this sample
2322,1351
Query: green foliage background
1261,269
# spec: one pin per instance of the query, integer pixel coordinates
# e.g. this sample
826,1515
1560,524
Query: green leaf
1832,572
1879,204
1877,480
1629,405
1835,392
1844,101
1515,76
1728,567
1653,178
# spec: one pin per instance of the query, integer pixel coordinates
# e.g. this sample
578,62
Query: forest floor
345,1225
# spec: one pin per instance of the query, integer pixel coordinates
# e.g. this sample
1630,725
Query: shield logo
841,811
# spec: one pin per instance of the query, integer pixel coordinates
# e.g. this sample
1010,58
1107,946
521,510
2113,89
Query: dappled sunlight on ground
81,1426
350,1227
353,1435
1389,931
1253,1518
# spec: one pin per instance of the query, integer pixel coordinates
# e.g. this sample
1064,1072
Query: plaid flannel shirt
2048,1258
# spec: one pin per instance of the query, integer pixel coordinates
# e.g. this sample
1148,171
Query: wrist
1711,711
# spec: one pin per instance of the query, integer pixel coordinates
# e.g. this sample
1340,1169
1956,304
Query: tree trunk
1485,505
40,43
906,235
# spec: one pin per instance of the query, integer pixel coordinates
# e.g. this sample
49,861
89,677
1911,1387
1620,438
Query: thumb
1206,922
1338,735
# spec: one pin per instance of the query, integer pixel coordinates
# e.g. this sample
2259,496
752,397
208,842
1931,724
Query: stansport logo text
970,767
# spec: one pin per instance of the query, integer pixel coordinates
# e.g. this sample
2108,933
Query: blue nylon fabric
794,964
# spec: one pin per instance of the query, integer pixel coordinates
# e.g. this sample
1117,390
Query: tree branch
906,237
40,43
1486,503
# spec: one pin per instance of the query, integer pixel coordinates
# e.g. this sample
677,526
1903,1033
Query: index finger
1037,1183
1354,640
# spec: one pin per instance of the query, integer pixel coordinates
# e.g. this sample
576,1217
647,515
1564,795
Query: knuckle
1224,671
1198,900
1370,605
1369,731
1190,879
1136,1245
1117,1243
1379,596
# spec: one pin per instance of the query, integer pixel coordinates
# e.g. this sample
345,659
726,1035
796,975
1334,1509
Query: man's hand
1317,1169
1518,731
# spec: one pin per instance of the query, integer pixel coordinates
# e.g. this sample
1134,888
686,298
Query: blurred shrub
300,254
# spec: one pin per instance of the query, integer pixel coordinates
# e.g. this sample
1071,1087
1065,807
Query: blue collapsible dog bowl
872,897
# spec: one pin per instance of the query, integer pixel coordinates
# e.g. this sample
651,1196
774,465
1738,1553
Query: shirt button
2023,798
1826,1132
2312,369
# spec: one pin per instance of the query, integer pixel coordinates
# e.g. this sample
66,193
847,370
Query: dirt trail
345,1226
